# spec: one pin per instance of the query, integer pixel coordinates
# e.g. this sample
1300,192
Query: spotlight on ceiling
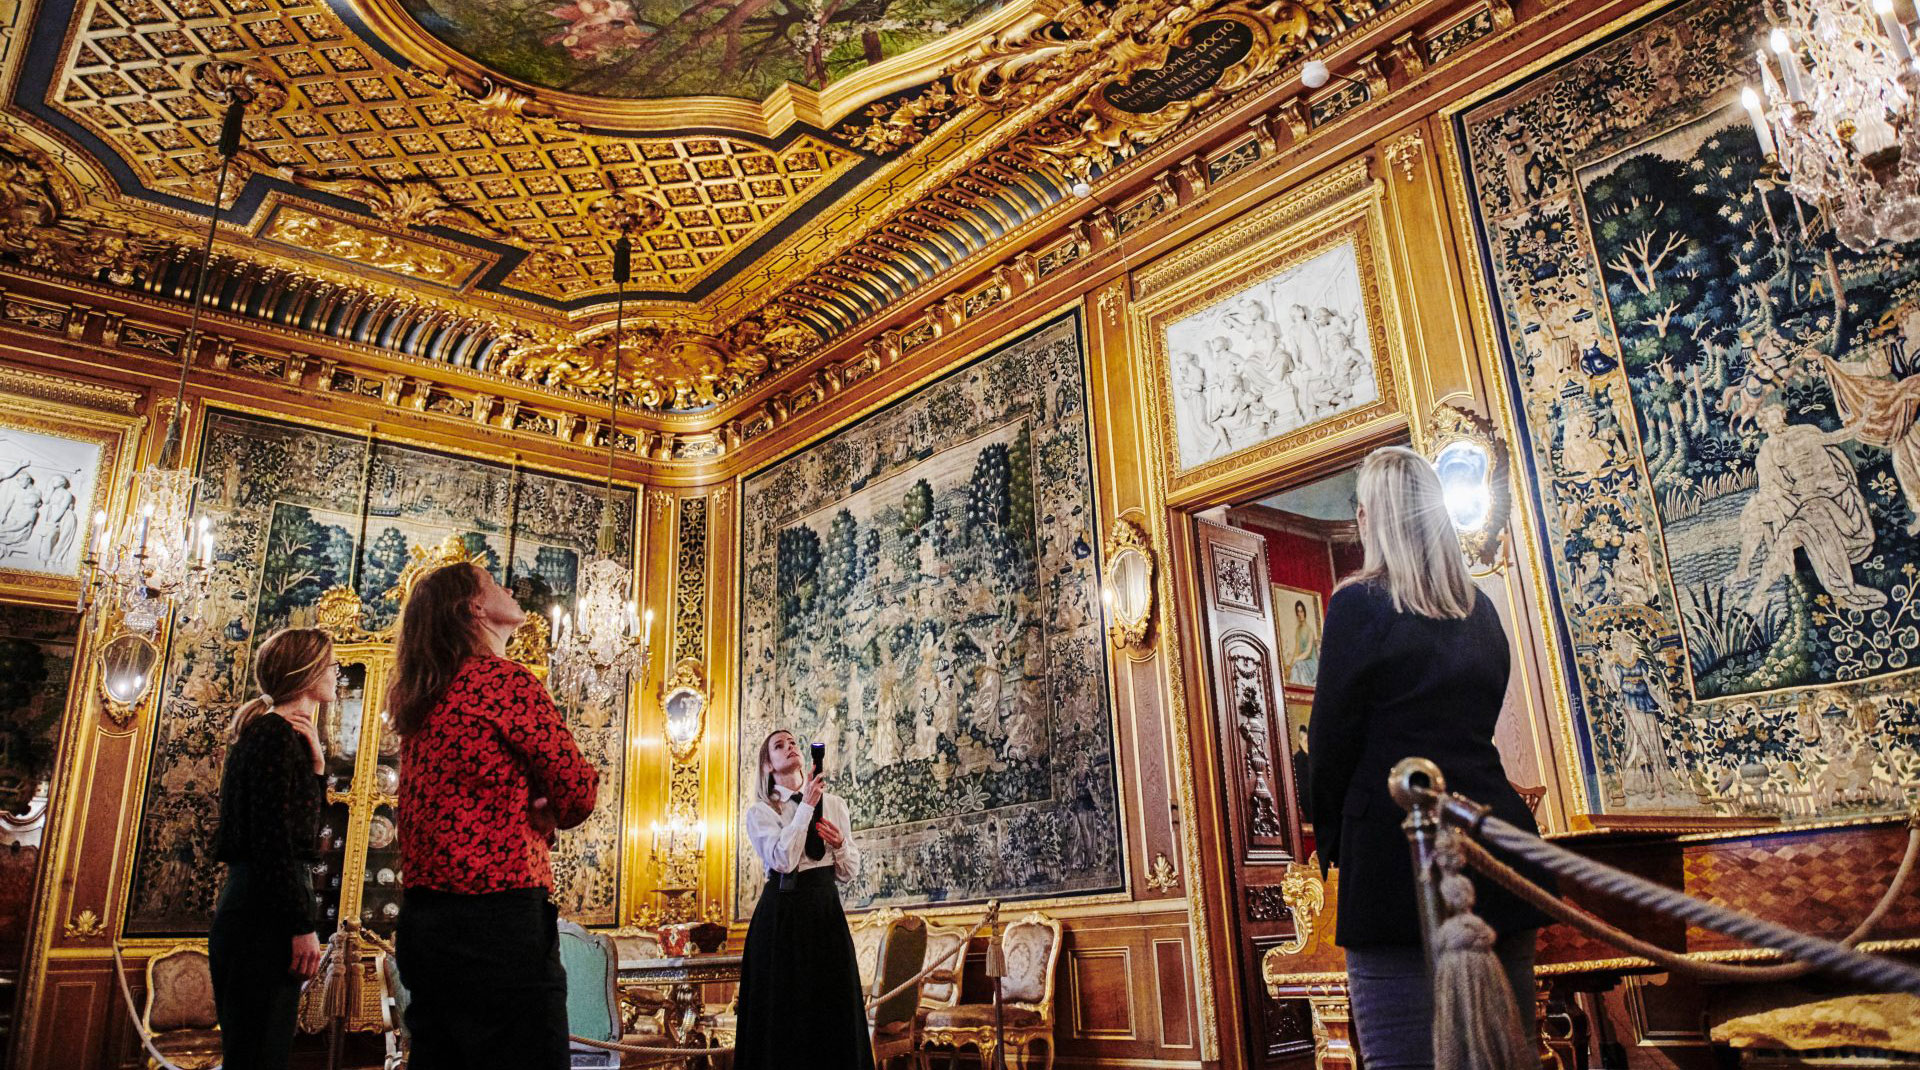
1314,74
1082,188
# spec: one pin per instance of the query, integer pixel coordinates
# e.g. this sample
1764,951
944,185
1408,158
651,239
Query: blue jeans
1392,999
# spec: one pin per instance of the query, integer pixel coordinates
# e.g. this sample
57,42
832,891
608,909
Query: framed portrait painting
58,464
1297,615
1299,710
1273,332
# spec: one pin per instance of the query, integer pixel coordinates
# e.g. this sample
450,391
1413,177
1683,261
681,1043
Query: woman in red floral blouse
487,772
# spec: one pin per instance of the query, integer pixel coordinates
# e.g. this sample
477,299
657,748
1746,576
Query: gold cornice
767,118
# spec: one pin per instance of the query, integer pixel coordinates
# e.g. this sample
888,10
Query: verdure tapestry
298,511
921,596
1717,410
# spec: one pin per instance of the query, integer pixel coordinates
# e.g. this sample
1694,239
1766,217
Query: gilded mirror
1128,585
684,701
1471,462
128,665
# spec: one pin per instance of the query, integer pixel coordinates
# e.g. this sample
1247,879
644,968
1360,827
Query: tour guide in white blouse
800,1005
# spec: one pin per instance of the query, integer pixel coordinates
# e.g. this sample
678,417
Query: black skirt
800,1006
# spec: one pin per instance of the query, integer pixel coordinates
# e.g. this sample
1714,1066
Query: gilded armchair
1030,948
893,1024
869,930
179,1020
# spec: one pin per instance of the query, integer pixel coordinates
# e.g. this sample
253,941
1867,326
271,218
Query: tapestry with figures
922,597
1717,408
301,510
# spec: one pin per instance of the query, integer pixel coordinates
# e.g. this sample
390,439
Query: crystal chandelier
1837,118
603,641
161,560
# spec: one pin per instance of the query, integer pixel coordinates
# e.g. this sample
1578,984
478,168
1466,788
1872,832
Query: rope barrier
1818,954
993,912
1513,881
139,1027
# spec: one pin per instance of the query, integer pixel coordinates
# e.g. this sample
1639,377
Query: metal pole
1417,786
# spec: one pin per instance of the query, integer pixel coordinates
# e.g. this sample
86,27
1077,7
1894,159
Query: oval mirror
1466,482
684,707
1130,578
128,666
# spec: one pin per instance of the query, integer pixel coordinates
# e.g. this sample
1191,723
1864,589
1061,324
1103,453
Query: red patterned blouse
492,745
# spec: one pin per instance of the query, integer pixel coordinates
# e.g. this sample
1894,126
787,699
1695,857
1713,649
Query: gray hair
1411,547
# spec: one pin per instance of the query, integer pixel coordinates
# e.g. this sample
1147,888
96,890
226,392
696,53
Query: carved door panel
1263,821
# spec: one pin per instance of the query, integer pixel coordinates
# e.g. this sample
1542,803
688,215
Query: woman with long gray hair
1413,663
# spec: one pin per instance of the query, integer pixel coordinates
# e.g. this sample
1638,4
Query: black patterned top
270,801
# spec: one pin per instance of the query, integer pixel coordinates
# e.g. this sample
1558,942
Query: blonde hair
1411,547
290,663
769,788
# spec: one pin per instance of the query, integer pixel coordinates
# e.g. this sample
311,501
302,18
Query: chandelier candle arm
1895,31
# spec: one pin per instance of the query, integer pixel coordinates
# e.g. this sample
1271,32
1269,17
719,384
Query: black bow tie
816,847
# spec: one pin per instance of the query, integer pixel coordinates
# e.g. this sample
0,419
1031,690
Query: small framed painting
1296,626
58,466
1299,709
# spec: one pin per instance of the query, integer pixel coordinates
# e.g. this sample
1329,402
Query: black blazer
1396,685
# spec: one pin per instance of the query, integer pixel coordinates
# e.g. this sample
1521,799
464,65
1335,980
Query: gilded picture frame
74,441
1299,668
1331,217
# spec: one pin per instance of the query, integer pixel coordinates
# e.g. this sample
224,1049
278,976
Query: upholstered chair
180,1017
1030,950
869,930
942,987
593,1001
893,1024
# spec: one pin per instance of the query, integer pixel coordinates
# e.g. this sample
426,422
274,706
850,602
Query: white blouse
779,837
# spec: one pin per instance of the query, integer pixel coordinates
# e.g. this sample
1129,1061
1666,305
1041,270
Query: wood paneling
1172,994
1102,991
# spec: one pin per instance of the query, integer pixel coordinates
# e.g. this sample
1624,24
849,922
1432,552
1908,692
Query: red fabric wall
1295,560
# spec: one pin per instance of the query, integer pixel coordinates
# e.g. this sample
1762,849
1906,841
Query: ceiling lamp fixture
161,559
1836,117
604,641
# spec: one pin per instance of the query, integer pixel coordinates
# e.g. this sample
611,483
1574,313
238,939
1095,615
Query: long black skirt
799,1003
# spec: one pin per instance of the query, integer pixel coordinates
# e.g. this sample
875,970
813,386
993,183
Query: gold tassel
1475,1017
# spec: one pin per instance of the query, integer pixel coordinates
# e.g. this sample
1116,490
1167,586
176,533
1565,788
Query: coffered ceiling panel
416,149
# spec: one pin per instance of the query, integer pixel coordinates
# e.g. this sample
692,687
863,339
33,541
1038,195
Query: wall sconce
1128,589
129,665
1472,463
684,700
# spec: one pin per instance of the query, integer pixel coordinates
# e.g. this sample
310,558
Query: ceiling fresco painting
428,176
692,48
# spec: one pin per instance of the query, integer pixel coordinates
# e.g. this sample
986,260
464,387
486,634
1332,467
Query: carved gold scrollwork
85,925
1305,896
1162,877
1128,74
1404,152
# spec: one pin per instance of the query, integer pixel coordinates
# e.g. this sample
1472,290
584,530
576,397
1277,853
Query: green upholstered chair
593,1001
893,1024
592,963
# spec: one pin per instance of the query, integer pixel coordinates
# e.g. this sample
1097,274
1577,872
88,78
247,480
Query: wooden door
1262,815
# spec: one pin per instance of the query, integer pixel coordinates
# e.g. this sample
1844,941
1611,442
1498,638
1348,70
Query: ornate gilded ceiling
425,175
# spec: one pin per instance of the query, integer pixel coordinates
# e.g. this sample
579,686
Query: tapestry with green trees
921,595
1717,407
300,511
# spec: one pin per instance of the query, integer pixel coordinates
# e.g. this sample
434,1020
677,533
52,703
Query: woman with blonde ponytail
263,944
1413,662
